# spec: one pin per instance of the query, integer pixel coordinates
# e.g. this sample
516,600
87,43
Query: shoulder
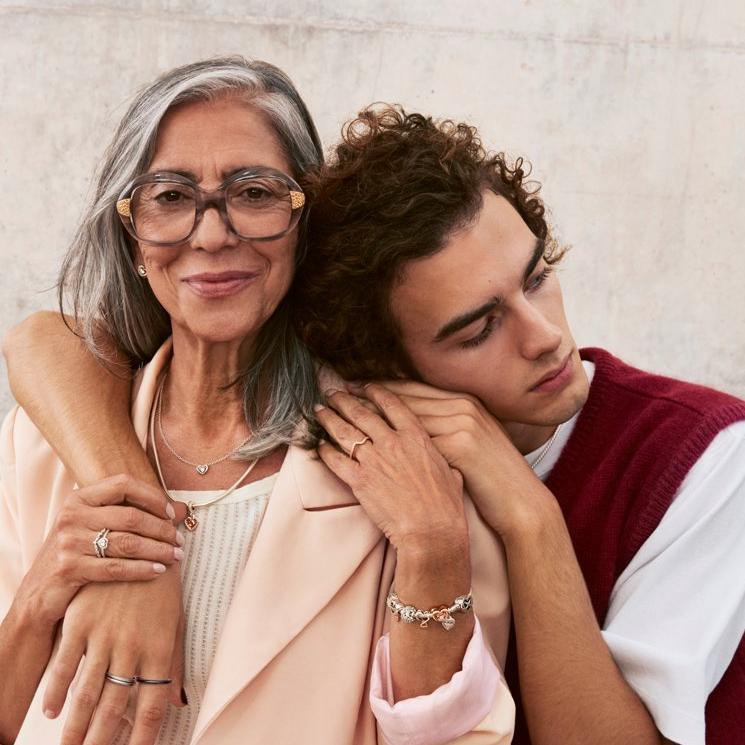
638,392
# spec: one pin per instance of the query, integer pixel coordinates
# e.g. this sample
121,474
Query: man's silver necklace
200,468
545,449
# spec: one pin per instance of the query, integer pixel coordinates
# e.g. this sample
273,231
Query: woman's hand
126,630
142,541
408,489
403,483
105,623
500,482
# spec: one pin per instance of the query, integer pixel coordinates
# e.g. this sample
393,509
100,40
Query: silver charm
407,614
202,469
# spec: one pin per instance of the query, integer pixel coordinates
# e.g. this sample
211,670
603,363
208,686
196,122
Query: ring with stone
101,542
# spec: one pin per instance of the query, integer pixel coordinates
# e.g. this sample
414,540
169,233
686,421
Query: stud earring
141,270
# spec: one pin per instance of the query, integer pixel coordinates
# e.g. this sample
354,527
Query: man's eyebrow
538,250
466,319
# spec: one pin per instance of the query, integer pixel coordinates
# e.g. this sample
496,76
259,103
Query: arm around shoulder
79,405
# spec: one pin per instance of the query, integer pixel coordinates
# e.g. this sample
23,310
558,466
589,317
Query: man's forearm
80,407
24,653
571,688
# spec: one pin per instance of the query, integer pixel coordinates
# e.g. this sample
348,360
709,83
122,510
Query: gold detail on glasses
297,199
122,207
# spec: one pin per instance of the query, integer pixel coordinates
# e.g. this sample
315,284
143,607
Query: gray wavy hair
98,281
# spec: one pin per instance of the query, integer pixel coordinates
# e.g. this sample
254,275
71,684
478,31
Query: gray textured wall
632,113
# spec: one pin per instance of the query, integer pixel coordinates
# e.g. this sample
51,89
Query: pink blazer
293,662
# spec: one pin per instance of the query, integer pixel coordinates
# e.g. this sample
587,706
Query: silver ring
357,444
129,682
154,681
101,543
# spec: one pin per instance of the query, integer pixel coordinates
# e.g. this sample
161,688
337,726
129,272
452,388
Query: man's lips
556,378
219,284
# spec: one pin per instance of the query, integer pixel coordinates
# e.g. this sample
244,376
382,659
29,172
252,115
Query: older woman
184,260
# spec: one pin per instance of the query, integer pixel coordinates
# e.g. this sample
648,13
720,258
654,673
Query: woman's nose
212,232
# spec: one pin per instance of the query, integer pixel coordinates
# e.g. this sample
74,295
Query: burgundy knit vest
636,439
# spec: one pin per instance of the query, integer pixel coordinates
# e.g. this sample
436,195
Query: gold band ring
357,444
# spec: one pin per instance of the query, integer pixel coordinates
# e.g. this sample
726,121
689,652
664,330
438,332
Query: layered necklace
190,521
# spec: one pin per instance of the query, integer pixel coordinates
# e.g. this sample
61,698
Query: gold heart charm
191,522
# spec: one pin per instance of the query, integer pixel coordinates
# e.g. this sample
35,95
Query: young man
619,495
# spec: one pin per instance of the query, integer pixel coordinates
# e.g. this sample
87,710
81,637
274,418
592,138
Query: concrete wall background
631,112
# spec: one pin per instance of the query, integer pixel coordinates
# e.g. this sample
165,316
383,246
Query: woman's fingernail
318,407
330,392
183,697
179,539
50,713
170,511
178,554
159,568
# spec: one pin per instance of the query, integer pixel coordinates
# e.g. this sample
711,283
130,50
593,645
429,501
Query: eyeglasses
165,208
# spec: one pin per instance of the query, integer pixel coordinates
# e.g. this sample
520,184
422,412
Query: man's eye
539,278
482,336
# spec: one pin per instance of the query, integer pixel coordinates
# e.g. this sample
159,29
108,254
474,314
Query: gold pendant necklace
190,521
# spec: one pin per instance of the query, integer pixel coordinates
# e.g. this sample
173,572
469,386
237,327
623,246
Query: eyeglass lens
166,211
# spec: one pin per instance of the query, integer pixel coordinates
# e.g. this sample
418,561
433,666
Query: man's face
485,316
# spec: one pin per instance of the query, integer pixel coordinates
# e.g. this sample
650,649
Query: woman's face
216,286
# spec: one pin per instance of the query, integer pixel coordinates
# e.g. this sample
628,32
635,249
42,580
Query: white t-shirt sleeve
677,613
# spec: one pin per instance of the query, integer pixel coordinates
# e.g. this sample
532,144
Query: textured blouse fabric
214,557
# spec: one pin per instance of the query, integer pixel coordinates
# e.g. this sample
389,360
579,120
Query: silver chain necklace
200,468
546,448
190,521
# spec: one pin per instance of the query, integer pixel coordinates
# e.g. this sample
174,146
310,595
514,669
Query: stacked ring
154,681
129,682
101,542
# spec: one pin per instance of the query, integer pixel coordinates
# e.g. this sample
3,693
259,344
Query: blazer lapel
313,537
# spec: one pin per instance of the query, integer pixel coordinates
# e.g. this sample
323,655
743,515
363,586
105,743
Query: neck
528,437
199,393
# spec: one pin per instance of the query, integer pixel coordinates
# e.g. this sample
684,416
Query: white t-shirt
677,612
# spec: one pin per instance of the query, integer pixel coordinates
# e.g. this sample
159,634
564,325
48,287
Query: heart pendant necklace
200,468
190,521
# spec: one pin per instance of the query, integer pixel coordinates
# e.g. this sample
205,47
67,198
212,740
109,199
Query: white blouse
214,557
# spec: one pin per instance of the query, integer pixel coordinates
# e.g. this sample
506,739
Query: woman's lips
558,379
219,284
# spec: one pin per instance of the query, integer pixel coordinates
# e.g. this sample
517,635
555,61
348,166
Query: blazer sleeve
11,549
475,695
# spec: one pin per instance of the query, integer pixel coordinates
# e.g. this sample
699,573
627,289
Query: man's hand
125,629
497,478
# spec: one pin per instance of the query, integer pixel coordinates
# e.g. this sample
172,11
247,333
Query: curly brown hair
395,189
